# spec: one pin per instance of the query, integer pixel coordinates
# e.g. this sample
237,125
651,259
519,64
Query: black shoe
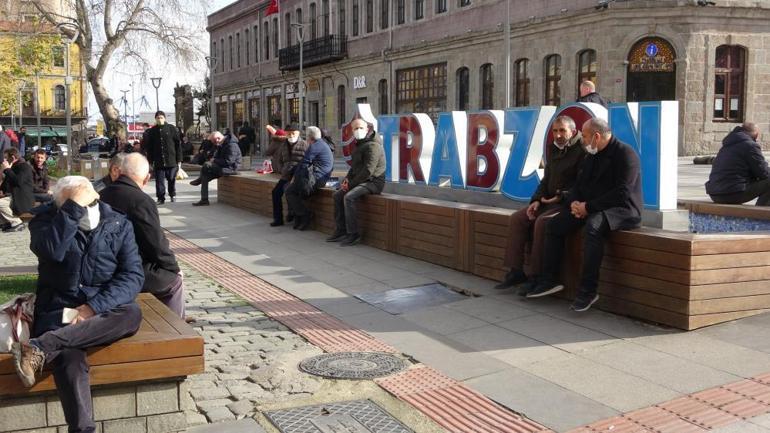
161,201
583,302
306,220
336,237
276,223
201,203
5,226
351,239
512,278
16,228
527,287
173,199
195,182
289,217
545,288
297,222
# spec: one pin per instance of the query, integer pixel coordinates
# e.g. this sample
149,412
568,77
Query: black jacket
19,184
40,179
738,162
367,164
163,146
610,182
159,263
228,155
561,168
101,268
595,98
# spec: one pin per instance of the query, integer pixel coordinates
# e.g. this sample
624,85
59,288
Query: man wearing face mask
88,262
366,176
318,162
226,160
18,186
163,148
296,153
562,161
607,196
162,276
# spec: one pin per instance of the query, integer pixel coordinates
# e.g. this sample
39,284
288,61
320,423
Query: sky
142,99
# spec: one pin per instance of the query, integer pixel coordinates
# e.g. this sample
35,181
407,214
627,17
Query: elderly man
366,176
162,276
18,189
112,172
310,175
89,275
563,159
225,162
739,172
588,94
607,196
163,148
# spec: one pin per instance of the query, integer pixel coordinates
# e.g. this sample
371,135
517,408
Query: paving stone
220,414
241,408
209,405
210,393
129,425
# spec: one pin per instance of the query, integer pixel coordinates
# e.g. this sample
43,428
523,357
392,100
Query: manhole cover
353,365
358,416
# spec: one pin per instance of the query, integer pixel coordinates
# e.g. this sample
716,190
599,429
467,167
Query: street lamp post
68,40
299,27
125,108
507,54
211,61
156,84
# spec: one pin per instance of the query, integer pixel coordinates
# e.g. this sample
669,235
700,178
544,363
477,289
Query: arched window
521,80
275,38
266,51
587,66
287,24
342,15
487,87
384,14
400,11
341,105
238,49
383,90
222,53
553,80
419,9
369,16
325,11
230,48
729,83
59,98
354,19
248,46
440,6
463,88
313,22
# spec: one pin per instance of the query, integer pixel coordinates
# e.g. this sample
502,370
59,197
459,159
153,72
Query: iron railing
325,49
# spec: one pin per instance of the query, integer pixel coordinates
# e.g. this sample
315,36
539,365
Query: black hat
160,113
291,127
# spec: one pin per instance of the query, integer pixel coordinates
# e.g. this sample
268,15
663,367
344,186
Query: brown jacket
279,151
297,154
561,168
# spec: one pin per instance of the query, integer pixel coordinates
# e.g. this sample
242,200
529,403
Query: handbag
267,167
15,321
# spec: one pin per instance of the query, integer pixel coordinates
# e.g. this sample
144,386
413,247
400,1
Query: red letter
486,149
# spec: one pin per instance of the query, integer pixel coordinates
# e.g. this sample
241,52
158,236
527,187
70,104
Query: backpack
304,179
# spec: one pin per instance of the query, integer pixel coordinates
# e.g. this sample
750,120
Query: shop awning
47,131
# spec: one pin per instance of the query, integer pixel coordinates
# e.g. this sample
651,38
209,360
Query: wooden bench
149,366
684,280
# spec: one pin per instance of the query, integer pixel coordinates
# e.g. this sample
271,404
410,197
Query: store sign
359,82
501,150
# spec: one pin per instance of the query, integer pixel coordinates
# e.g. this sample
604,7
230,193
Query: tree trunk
106,105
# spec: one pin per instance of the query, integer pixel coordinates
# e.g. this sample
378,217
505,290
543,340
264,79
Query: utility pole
507,34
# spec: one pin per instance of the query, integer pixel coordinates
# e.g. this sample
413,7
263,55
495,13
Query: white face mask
559,146
590,148
90,220
293,140
359,133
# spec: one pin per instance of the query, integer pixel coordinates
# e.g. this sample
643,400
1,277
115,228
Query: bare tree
111,32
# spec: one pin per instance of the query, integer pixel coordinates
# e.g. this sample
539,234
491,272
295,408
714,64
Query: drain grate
398,301
357,416
353,365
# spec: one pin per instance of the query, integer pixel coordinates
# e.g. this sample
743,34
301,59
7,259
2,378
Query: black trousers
296,199
65,348
163,175
278,191
595,231
209,172
759,190
345,216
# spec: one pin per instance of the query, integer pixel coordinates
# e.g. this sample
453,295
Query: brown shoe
190,319
28,360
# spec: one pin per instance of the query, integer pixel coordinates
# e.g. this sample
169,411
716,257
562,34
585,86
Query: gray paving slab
762,420
559,333
682,375
742,427
616,389
750,334
509,347
538,399
442,320
490,310
246,425
343,307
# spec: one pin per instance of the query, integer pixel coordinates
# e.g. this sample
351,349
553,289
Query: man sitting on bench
739,172
607,196
226,160
90,274
17,187
40,177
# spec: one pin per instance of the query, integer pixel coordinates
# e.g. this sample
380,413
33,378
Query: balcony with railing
318,51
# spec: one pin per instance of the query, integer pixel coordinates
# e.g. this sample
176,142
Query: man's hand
532,210
83,195
578,209
84,313
554,199
270,129
5,165
344,185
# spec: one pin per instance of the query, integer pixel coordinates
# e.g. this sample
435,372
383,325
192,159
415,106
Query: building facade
44,96
429,56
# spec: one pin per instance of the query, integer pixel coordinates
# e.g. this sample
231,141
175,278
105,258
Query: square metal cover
357,416
399,301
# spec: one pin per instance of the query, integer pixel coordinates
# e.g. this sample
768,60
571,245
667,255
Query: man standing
588,94
366,176
309,176
40,177
17,187
162,276
289,156
563,160
5,141
607,196
246,138
226,160
164,150
739,172
87,261
22,134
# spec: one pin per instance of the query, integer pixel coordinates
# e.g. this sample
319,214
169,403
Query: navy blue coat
739,162
102,268
319,155
228,155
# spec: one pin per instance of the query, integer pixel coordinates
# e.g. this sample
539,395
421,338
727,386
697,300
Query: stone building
439,55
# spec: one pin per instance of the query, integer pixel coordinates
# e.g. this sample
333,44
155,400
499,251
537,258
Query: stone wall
155,407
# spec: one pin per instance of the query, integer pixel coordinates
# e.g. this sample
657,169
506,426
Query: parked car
96,145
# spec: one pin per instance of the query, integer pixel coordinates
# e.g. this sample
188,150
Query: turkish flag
272,9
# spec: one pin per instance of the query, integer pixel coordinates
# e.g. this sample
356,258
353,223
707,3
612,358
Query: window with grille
487,78
440,6
383,91
384,14
248,46
60,98
729,83
463,89
313,22
522,82
587,67
354,20
275,37
400,11
342,14
553,80
369,16
419,9
238,49
266,54
325,18
341,118
288,30
422,90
